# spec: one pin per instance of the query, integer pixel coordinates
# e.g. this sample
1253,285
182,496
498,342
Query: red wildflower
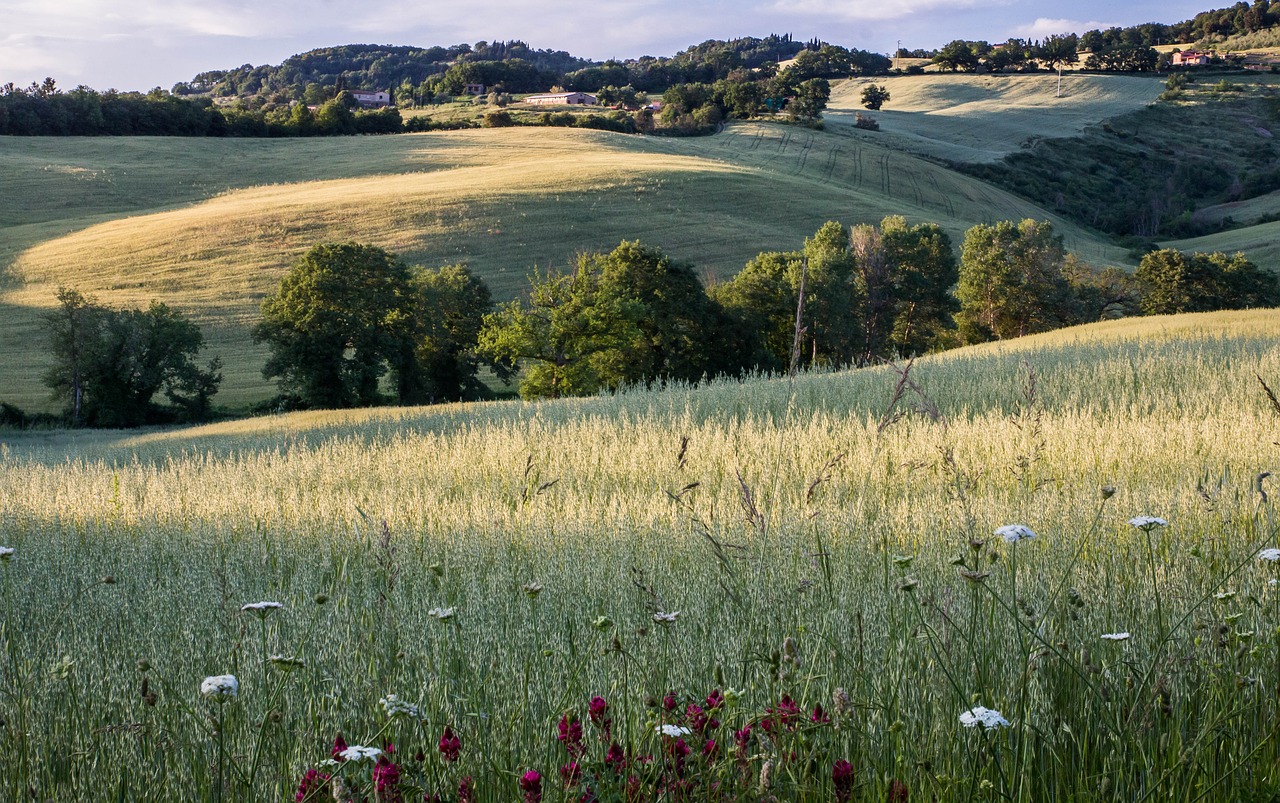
531,785
710,750
634,789
714,700
450,744
741,740
339,744
678,751
386,780
842,778
311,784
898,792
571,736
819,716
783,715
570,773
614,759
598,711
466,790
669,701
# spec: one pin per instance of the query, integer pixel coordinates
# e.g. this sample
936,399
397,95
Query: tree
109,364
1057,50
810,99
1011,281
342,318
957,55
875,96
449,306
1174,282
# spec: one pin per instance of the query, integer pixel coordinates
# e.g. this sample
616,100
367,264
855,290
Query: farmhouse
371,99
473,89
562,99
1191,58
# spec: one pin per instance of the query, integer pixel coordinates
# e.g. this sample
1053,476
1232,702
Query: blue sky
139,44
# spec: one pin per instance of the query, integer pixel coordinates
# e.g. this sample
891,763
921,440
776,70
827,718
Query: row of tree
352,323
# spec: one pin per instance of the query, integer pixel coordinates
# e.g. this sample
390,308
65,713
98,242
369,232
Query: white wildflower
261,609
441,614
1116,636
395,707
358,752
1148,522
666,618
532,589
674,731
220,687
985,717
6,552
286,662
1269,555
1013,533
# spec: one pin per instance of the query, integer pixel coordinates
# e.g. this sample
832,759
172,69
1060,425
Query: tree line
352,325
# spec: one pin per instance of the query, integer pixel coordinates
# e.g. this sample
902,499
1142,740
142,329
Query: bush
865,122
498,119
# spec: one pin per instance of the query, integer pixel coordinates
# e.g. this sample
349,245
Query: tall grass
818,511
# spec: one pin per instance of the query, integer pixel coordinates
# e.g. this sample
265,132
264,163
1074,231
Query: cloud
1044,26
869,12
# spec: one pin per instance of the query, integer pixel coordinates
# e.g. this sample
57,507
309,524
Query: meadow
829,543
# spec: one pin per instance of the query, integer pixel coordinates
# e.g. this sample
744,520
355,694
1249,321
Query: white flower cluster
441,614
1125,636
220,687
6,552
987,718
395,707
1270,555
674,731
1013,533
666,618
1148,522
261,608
358,753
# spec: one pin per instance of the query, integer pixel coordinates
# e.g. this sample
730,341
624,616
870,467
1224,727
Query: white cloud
871,12
1044,26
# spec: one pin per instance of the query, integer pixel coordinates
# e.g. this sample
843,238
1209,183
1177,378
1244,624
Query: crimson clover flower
339,746
312,781
531,785
466,790
570,773
450,744
386,780
571,735
842,777
598,710
614,758
898,792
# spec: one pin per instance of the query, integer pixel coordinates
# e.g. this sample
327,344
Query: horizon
146,44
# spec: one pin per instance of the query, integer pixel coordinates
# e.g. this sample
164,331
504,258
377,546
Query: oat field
768,590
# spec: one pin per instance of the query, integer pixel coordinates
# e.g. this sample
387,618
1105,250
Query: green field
191,222
823,514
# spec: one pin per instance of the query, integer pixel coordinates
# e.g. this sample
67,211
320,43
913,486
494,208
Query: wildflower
395,707
674,731
441,615
339,745
571,735
715,700
987,718
784,714
898,792
741,739
1270,555
310,783
1115,636
665,618
531,590
1107,492
975,577
466,790
6,553
710,750
614,758
819,716
531,785
386,780
598,712
286,662
1148,523
602,623
450,744
570,773
678,751
1222,596
669,701
261,609
842,778
1013,533
908,583
220,687
358,753
840,703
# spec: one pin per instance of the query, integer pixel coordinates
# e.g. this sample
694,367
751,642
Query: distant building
1191,58
371,99
562,99
473,89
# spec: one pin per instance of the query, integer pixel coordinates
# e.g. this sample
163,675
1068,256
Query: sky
140,44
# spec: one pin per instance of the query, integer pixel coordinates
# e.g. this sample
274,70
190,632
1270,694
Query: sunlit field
821,553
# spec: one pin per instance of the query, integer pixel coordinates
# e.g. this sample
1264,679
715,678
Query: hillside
502,200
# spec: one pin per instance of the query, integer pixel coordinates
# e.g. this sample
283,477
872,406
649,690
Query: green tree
957,55
761,300
1057,50
875,96
109,364
1174,282
1011,281
340,320
571,339
810,99
449,306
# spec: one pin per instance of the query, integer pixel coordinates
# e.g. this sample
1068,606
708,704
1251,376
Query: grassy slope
982,118
503,201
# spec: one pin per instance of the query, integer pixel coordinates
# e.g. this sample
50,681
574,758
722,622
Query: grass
502,200
983,118
814,505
